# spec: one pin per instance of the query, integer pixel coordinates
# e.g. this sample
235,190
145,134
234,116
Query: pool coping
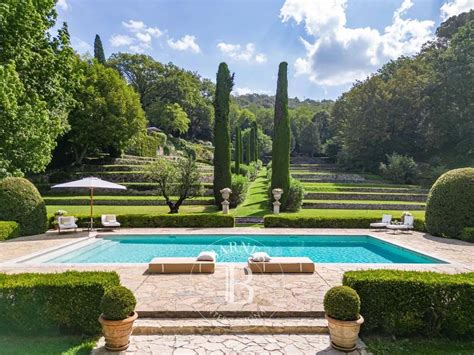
39,258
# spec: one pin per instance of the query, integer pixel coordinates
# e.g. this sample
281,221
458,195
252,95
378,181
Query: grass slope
256,201
376,214
152,210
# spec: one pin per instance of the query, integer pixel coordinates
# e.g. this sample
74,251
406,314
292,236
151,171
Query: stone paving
246,344
231,289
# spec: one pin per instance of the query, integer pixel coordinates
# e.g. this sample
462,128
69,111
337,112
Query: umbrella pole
92,208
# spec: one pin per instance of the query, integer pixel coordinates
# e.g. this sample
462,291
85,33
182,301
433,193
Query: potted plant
118,314
342,307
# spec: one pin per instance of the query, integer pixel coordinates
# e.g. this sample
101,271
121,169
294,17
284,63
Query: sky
328,44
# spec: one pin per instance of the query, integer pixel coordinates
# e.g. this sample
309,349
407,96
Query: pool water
237,248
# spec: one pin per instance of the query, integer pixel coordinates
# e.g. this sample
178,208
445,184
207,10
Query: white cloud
63,5
339,55
455,7
245,53
238,91
121,40
81,46
186,43
139,37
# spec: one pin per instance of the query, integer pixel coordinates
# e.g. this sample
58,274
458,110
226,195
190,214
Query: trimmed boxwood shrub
201,220
342,303
240,185
295,221
42,303
21,202
468,234
9,230
450,204
295,196
406,303
117,303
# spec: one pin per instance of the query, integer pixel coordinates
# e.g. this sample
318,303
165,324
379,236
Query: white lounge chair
386,220
407,225
66,223
109,221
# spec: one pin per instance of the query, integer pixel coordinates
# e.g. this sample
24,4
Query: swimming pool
237,248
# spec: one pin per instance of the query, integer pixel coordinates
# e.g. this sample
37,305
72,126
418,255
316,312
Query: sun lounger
67,223
109,221
180,266
406,226
282,265
386,220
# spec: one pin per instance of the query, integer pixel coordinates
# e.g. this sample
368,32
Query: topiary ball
342,303
117,303
450,204
21,202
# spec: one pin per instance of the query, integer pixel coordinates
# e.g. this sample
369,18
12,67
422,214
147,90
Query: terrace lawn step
209,326
334,178
51,201
377,189
314,167
363,206
365,196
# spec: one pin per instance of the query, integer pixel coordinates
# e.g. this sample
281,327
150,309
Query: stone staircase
224,325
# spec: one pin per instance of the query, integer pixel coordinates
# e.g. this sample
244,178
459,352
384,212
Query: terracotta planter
344,334
117,332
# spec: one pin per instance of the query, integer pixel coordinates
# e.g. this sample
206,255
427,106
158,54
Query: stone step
365,196
248,220
364,206
210,326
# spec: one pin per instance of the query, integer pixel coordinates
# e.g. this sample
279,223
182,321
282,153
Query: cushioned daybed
282,265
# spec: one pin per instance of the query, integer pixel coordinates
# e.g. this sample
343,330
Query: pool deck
231,290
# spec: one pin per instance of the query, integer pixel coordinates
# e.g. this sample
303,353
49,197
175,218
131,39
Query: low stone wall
364,206
359,196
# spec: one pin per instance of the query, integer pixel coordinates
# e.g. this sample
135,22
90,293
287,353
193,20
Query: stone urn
344,334
117,332
225,193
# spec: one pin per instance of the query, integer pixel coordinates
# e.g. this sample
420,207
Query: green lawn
384,346
256,202
120,197
376,214
336,186
153,210
26,345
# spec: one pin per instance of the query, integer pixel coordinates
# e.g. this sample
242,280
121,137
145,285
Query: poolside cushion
180,266
207,256
260,256
282,265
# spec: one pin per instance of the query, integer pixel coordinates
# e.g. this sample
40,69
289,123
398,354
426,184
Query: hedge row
408,303
44,303
201,220
9,230
326,222
468,234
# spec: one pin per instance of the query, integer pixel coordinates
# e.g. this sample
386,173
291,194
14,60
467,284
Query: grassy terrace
119,198
256,202
369,202
66,345
153,210
336,213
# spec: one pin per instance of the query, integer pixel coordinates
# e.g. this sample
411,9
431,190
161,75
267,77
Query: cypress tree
281,136
99,50
252,142
255,140
248,156
222,155
238,149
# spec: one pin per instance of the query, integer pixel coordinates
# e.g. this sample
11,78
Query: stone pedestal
225,207
225,195
277,196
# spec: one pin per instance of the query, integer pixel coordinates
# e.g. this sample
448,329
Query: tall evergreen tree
281,136
252,142
222,156
238,149
255,140
248,155
99,50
